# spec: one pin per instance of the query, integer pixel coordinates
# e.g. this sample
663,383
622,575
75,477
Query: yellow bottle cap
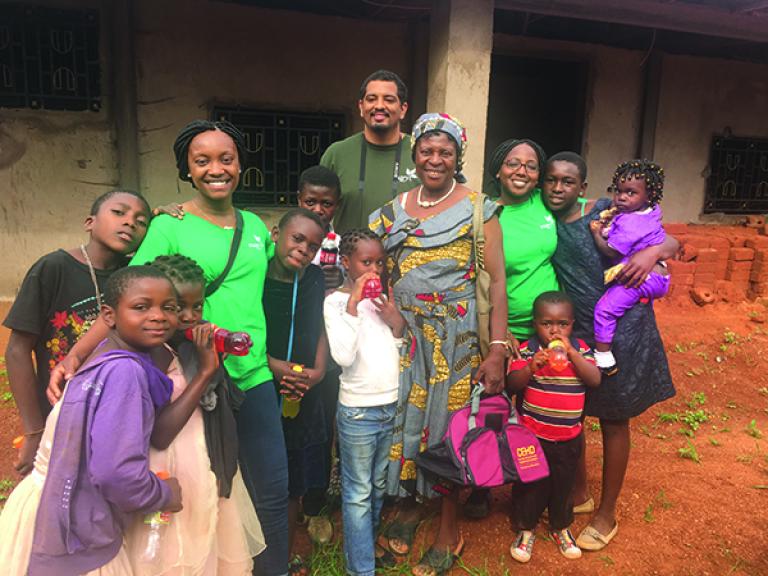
298,368
556,344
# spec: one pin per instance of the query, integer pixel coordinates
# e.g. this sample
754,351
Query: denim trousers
365,437
264,465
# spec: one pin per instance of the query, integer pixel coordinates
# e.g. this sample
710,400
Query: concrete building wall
190,55
701,97
612,103
52,166
194,53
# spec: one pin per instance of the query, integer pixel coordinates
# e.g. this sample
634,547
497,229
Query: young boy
319,192
59,299
552,405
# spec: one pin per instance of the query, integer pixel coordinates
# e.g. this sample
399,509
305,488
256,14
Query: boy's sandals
591,539
438,562
383,557
398,536
585,507
320,529
297,567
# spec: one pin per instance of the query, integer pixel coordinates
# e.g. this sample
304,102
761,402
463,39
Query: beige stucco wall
53,164
700,97
191,54
250,57
612,104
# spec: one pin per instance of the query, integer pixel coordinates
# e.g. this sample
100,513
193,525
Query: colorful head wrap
440,122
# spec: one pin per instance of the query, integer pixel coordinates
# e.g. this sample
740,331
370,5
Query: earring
189,175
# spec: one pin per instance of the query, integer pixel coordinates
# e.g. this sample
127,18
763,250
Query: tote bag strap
474,403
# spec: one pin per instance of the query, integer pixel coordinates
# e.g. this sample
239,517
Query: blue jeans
365,437
264,464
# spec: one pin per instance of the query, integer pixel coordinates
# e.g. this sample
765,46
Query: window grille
281,145
49,58
738,180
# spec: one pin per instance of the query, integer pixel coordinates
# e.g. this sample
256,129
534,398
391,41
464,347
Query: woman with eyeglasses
529,234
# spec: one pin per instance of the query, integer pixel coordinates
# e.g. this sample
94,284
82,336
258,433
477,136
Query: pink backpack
486,446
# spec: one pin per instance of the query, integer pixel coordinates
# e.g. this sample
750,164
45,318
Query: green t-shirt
343,158
236,305
530,238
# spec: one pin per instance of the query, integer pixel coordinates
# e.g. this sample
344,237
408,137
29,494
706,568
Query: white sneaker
566,544
522,549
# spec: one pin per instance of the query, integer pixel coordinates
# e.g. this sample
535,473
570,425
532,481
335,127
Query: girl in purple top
632,224
92,470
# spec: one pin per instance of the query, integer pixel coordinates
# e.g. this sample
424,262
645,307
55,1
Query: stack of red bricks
720,263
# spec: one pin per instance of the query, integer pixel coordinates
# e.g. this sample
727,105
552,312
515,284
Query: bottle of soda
235,343
372,288
291,406
329,249
558,357
157,522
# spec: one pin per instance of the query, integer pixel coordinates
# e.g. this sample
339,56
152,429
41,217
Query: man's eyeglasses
514,164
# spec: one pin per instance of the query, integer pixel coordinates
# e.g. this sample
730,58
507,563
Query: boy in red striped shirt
552,405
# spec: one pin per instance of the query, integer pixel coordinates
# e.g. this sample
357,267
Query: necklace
93,275
430,204
209,217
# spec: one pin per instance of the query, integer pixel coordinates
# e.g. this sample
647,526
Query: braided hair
500,154
642,169
350,239
188,133
180,269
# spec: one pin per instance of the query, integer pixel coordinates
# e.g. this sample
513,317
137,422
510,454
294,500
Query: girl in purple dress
633,223
91,471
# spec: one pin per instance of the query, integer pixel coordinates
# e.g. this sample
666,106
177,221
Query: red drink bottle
329,250
235,343
372,288
558,357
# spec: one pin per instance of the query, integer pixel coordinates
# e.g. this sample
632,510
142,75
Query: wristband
502,342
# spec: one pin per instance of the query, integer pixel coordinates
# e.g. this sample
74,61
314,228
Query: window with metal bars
281,145
49,58
738,179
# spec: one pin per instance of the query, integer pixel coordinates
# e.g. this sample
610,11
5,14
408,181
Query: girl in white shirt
364,335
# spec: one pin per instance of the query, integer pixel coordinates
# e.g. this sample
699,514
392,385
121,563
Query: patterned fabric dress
431,268
644,378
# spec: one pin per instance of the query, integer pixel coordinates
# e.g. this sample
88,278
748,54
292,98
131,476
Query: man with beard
373,165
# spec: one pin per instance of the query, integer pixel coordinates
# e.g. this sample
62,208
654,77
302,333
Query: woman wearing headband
428,235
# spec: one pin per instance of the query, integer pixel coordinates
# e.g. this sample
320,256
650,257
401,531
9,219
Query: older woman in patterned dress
428,234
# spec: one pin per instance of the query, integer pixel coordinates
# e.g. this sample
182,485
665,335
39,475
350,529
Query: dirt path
677,516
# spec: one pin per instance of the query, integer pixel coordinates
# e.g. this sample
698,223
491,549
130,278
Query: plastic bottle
372,288
235,343
157,522
329,250
291,406
558,357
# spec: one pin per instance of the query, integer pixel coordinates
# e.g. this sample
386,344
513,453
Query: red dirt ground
676,516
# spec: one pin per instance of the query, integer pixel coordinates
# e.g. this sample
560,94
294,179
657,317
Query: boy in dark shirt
57,302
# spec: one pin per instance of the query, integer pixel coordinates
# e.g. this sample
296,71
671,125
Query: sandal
384,558
399,536
297,567
438,562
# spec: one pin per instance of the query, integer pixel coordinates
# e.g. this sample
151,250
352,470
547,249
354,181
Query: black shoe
478,505
609,370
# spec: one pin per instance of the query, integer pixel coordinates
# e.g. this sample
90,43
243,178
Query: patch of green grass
689,452
663,501
680,348
669,417
594,426
697,399
694,419
648,515
730,337
607,560
6,485
6,397
753,430
715,442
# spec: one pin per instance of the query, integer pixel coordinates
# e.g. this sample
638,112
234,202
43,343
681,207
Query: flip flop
585,507
591,539
438,562
403,534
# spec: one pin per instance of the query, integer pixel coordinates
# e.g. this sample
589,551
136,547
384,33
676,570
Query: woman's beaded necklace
433,203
